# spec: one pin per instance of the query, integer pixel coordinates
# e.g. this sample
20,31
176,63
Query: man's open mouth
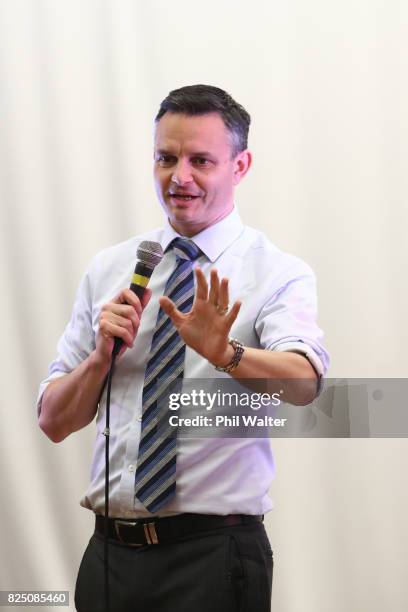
183,197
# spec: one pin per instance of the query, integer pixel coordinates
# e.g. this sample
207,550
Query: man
186,527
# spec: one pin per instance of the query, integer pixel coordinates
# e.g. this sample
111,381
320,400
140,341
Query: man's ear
242,164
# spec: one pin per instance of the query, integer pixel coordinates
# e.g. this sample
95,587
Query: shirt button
131,468
139,418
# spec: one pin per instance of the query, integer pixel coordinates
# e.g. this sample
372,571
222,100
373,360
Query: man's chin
185,225
183,206
186,212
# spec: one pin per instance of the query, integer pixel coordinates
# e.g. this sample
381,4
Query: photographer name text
226,421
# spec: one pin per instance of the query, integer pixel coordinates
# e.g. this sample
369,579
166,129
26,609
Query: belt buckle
148,528
150,533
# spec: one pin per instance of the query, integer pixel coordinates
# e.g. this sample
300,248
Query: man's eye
201,161
165,160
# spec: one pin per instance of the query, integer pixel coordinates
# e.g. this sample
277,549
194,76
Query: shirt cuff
311,356
43,387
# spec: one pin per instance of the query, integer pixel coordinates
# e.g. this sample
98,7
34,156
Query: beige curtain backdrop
326,84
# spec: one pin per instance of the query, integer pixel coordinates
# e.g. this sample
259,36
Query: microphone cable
106,433
149,255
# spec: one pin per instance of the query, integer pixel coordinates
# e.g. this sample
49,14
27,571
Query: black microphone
149,254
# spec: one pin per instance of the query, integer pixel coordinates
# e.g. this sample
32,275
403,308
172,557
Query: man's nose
182,173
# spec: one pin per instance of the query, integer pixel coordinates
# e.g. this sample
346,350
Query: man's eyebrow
193,154
163,152
202,154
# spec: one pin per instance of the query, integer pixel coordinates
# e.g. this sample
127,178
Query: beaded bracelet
238,352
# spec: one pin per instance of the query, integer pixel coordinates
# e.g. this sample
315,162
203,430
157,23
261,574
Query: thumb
146,297
171,310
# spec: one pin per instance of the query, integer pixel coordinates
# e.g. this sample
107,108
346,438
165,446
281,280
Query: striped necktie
155,479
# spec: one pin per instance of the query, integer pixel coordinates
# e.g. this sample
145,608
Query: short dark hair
203,99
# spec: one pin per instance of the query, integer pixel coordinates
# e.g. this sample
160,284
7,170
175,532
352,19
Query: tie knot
185,249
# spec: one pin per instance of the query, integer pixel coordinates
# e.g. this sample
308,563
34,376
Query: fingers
126,296
214,287
218,294
121,314
171,310
201,285
123,324
120,318
233,313
223,295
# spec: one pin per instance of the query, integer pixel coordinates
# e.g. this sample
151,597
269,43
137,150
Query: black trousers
223,570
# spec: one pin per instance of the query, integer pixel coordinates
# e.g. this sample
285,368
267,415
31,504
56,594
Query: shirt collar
212,240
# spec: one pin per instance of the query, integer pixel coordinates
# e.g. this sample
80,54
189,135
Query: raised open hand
206,327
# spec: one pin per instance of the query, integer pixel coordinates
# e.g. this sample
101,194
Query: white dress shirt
278,295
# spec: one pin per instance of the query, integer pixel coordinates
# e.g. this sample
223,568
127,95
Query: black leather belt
155,530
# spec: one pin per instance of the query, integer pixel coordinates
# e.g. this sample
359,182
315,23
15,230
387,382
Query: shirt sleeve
77,341
287,320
